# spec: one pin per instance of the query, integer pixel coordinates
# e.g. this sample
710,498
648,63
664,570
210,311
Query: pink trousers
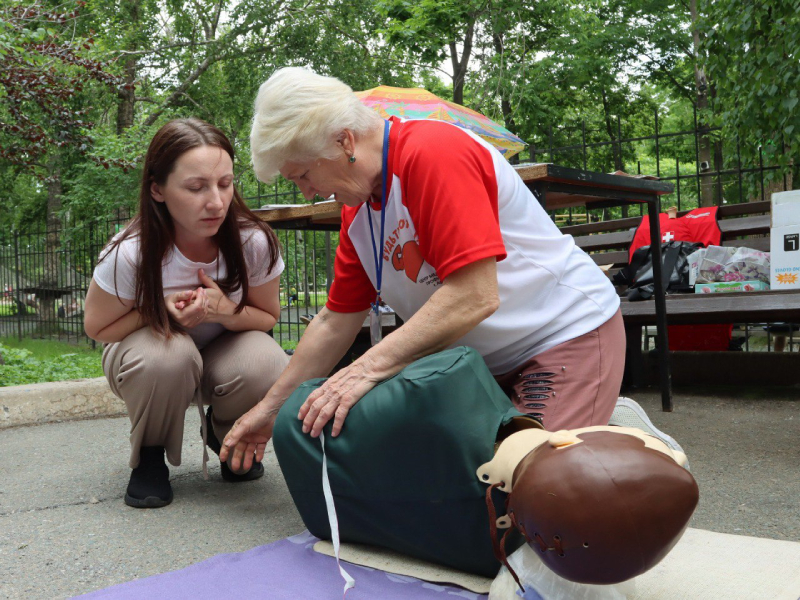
575,384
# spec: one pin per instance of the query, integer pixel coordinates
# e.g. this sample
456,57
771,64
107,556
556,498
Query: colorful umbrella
417,103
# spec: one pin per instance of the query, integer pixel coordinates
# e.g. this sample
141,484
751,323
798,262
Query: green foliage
7,309
556,72
96,190
46,74
752,62
47,362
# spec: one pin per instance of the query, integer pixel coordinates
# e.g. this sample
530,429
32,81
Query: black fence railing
44,275
717,176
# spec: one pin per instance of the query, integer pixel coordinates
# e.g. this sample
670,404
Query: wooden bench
746,225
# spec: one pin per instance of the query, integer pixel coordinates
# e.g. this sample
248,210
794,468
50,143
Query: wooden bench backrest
607,242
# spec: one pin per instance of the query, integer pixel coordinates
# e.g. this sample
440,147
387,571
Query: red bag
700,338
698,225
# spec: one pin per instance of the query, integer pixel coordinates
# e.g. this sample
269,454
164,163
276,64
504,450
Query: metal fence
44,275
724,178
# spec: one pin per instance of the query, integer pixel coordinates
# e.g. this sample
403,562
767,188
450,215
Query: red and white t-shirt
453,200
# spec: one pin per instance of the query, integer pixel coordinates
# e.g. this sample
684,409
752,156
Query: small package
727,264
694,260
747,264
720,287
712,267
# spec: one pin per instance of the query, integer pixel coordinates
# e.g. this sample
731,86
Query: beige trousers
159,378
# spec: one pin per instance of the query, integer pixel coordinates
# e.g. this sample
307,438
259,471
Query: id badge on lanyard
375,330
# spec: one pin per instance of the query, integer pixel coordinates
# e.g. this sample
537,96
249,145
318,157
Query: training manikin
402,474
598,505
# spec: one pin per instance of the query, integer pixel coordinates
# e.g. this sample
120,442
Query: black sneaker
149,484
256,471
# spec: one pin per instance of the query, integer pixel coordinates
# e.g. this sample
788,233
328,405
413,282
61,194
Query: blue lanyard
378,251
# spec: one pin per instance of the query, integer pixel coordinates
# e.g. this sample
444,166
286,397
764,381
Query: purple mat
286,569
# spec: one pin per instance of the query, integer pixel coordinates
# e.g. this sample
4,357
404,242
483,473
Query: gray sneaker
628,413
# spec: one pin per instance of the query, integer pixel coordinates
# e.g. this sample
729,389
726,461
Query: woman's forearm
249,319
323,344
121,328
465,299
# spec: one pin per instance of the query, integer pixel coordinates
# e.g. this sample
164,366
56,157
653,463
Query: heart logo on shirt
408,258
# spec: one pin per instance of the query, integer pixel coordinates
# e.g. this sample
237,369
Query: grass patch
314,299
37,361
288,334
288,344
8,310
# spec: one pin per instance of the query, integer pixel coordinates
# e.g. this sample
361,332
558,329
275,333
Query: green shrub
22,366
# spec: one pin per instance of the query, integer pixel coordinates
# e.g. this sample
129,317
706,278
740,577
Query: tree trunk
505,105
126,95
460,65
49,280
615,147
789,172
704,142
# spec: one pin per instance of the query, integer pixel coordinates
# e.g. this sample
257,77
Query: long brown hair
153,223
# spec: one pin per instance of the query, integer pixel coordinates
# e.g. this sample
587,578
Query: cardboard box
785,209
784,246
721,287
785,241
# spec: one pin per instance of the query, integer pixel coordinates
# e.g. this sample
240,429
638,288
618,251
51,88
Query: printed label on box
786,276
785,257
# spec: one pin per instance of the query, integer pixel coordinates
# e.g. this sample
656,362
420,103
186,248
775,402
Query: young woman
183,298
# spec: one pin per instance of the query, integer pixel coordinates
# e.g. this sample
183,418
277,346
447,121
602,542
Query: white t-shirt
179,274
454,200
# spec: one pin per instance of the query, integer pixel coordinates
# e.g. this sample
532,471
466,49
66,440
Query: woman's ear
347,142
155,192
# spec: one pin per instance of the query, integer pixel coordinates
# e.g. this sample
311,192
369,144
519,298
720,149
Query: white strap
349,582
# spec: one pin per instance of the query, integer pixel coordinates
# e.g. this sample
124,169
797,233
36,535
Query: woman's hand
335,398
465,298
188,308
247,439
219,306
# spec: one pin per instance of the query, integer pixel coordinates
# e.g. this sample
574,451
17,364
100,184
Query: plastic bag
695,259
712,267
747,264
540,582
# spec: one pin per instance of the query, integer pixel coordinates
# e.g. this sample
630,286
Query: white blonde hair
298,116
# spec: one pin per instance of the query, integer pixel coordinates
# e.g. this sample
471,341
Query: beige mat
400,564
712,565
704,565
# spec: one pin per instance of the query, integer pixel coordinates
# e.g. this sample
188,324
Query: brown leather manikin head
618,512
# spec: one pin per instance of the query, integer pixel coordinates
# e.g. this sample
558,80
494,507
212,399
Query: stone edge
38,403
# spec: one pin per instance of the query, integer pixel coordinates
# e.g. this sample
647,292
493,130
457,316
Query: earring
352,159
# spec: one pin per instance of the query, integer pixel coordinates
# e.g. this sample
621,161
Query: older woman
439,225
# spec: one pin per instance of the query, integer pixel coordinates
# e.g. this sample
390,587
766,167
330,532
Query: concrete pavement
66,531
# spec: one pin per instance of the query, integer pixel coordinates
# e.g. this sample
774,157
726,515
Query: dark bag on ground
403,469
638,275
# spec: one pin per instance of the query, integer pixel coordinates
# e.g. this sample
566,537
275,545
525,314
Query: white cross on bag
668,237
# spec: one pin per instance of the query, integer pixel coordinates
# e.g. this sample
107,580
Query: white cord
349,582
